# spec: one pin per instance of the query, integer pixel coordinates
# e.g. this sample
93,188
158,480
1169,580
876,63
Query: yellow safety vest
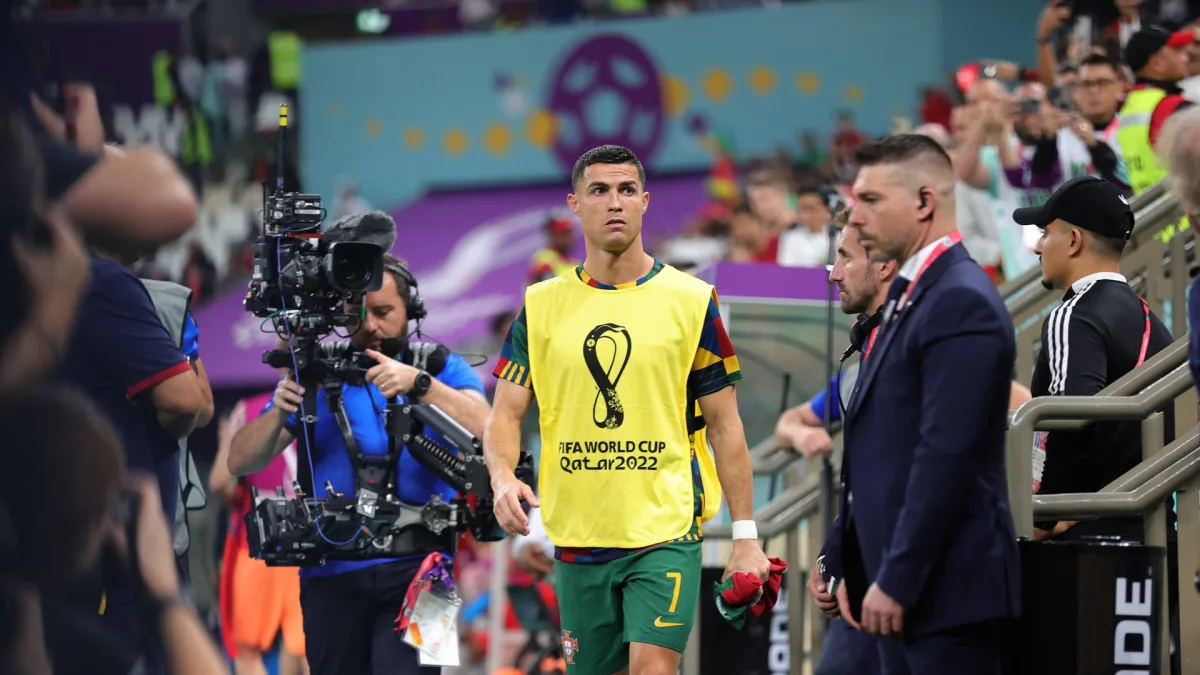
610,371
550,258
164,89
1133,135
195,146
284,50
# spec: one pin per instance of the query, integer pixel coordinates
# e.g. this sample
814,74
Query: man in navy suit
924,553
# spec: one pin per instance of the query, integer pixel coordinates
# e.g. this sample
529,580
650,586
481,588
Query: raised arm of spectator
119,199
968,166
1051,18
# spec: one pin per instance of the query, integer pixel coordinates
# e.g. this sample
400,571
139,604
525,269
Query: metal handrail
1029,417
784,511
1153,466
1014,287
1153,492
1027,295
768,457
1157,367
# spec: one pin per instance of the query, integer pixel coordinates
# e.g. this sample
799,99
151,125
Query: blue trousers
847,652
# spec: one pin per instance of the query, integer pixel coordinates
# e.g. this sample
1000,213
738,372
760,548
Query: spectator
556,258
136,198
124,358
1082,142
751,240
987,147
768,195
973,209
1156,57
43,266
49,547
806,242
846,141
1100,332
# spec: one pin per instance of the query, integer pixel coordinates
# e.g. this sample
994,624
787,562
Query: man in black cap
1159,60
1101,331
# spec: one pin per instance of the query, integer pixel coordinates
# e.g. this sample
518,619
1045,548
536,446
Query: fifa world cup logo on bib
606,353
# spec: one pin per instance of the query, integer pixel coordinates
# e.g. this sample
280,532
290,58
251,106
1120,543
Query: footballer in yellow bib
634,377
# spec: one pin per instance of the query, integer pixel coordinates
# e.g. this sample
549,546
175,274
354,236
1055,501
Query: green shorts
647,597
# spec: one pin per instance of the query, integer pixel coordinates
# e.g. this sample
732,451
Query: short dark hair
1068,69
81,463
743,209
902,148
392,262
606,154
1098,60
1113,247
814,190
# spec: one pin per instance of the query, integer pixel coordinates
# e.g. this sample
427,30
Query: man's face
961,118
886,213
1192,51
610,201
1054,250
769,202
1171,63
1098,93
747,229
812,212
854,273
385,316
562,240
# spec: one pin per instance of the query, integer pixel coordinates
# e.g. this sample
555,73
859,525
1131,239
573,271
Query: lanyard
1145,336
870,343
944,244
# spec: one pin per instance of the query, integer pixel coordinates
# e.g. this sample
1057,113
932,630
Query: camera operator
53,541
349,606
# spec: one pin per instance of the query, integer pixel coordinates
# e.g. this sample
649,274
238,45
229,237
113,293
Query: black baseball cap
1147,42
1088,203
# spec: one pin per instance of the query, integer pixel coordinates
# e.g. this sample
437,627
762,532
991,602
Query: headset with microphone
414,306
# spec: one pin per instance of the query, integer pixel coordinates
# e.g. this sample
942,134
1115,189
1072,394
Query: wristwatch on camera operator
421,384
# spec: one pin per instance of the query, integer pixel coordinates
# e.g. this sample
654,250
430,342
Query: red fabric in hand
746,587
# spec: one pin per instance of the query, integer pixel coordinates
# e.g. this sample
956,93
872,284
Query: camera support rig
373,522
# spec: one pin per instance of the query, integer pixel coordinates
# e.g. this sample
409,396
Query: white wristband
744,529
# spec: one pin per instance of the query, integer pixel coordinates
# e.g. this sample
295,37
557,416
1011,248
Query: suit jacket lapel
890,328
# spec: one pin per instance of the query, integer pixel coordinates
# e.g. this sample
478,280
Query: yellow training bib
610,371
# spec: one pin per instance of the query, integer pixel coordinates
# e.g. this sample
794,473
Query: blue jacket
929,519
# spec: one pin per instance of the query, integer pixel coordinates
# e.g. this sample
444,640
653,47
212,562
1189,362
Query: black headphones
414,306
862,328
859,333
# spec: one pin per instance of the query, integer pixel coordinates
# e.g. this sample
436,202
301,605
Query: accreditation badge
1039,459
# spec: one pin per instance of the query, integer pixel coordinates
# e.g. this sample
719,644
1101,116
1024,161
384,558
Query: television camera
303,280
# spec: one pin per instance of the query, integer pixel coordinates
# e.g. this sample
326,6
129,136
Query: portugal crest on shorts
570,647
